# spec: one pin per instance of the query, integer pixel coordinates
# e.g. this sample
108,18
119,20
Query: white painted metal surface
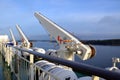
25,42
4,38
13,38
68,43
56,71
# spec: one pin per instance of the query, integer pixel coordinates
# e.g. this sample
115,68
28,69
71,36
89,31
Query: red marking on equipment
23,40
61,40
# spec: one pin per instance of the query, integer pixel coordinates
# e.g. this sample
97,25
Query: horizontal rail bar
79,67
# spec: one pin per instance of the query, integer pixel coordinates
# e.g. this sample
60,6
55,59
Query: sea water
103,57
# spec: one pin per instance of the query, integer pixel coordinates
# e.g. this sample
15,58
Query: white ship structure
33,63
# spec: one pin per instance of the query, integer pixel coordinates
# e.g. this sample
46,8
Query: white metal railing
24,69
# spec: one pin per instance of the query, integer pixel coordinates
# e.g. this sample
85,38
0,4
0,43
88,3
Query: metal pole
31,67
79,67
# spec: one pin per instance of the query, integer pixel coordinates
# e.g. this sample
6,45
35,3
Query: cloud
93,24
78,17
111,21
108,25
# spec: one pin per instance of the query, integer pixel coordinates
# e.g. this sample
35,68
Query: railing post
2,49
31,67
5,53
95,77
9,56
11,60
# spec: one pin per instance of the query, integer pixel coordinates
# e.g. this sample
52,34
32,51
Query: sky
83,17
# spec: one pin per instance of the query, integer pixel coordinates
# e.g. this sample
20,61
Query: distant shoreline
109,42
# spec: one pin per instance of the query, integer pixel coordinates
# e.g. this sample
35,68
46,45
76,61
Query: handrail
79,67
